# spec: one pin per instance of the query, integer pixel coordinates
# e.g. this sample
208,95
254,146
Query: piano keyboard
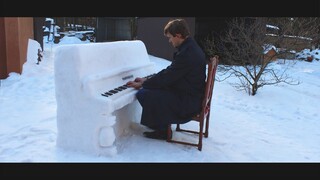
120,88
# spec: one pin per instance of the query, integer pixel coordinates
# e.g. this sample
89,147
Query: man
174,94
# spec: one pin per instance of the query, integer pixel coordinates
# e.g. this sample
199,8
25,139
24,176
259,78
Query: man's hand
138,79
137,83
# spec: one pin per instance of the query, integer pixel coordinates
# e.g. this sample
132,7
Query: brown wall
25,33
17,33
12,45
3,62
270,55
150,31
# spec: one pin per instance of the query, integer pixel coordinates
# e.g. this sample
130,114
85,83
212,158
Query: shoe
157,134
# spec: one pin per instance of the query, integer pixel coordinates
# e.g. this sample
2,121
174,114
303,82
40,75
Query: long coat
175,94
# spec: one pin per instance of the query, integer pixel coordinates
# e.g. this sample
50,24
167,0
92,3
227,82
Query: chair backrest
212,69
205,112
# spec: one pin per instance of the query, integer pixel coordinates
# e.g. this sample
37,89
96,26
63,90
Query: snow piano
94,106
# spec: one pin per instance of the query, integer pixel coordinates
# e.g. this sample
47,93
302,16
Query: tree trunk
254,88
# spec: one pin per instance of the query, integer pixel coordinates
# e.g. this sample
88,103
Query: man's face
175,41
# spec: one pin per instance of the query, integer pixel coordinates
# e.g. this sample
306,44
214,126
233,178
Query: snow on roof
268,47
271,26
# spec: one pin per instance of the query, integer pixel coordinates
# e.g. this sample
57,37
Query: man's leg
154,113
141,94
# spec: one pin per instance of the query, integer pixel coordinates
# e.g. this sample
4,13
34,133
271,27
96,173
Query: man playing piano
174,94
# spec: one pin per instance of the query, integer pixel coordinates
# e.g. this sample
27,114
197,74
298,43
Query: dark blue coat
175,94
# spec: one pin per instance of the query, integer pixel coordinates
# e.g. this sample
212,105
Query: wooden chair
203,117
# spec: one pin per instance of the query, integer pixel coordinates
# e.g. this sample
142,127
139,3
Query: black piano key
122,87
113,91
118,89
105,95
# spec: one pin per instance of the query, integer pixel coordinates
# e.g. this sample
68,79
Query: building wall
114,29
150,31
270,55
12,45
14,41
3,54
25,31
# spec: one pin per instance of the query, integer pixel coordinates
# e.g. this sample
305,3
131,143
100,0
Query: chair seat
196,117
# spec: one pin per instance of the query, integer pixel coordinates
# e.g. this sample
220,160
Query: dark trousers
162,107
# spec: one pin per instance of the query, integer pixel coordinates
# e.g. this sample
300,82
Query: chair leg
169,133
206,133
200,136
200,146
200,140
178,127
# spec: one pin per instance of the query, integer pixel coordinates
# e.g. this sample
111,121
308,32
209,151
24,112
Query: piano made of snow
94,107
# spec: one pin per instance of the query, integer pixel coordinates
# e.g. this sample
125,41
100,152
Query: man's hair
177,26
